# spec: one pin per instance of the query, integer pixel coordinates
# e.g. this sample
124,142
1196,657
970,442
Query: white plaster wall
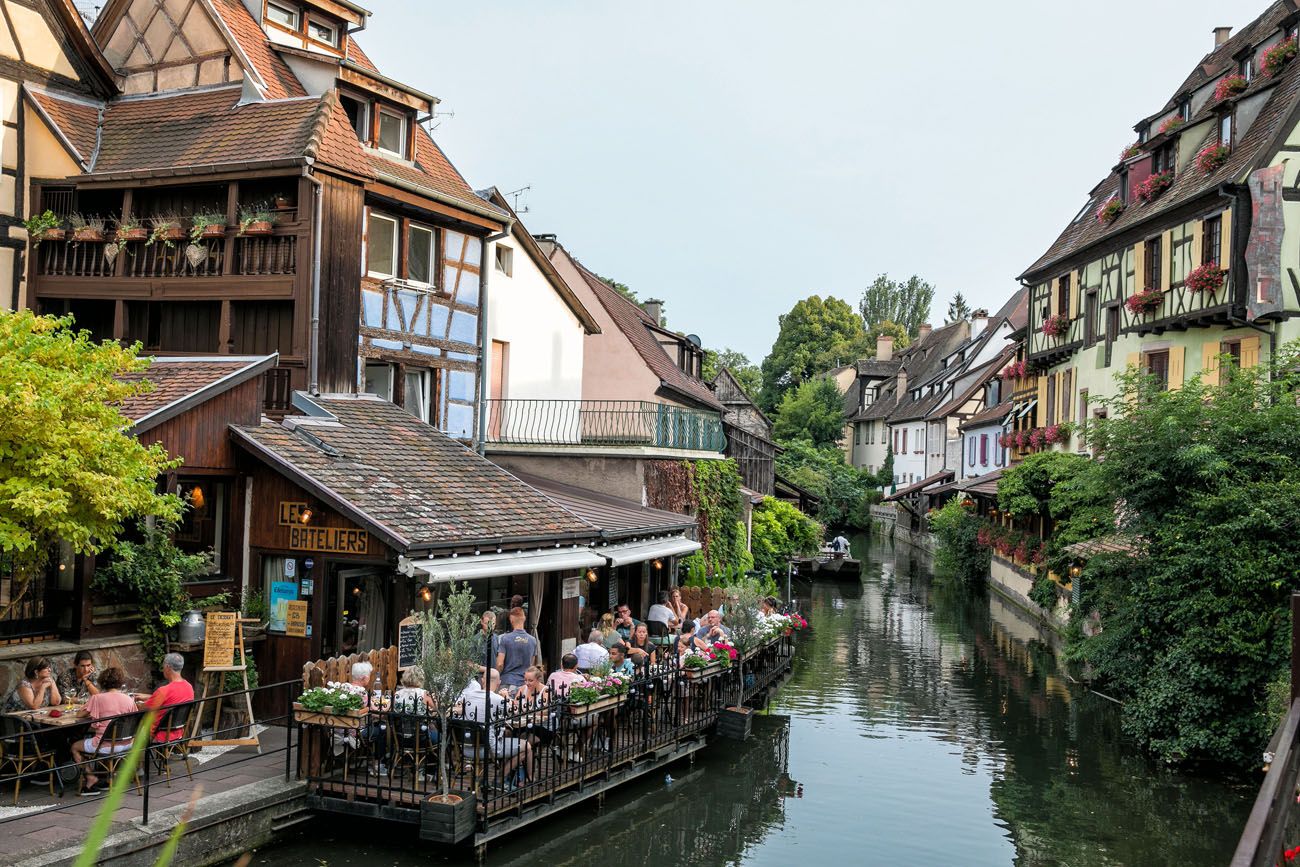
997,455
909,465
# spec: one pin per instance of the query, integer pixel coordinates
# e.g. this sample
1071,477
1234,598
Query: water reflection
923,726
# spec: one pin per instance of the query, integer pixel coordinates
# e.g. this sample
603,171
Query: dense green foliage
846,492
719,509
1061,488
958,309
813,411
1195,628
905,302
956,527
151,573
779,532
902,339
746,372
69,472
815,336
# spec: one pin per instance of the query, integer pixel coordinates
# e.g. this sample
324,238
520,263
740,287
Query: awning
1029,405
639,552
468,567
985,485
941,476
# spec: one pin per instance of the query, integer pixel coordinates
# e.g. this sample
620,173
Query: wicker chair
171,721
21,750
110,753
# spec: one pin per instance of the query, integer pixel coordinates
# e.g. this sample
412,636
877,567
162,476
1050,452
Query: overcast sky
733,157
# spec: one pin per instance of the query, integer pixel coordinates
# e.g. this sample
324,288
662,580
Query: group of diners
97,698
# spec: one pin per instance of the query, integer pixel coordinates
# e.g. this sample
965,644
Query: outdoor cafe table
41,716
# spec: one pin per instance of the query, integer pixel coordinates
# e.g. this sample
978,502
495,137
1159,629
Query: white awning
639,552
468,567
1028,406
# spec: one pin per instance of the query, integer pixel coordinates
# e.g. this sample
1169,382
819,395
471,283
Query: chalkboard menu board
409,633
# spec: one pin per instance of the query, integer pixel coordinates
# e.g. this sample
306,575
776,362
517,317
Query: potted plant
207,225
86,228
256,219
1152,187
1110,210
1056,326
1278,56
45,226
129,228
1230,85
334,705
1129,152
167,229
283,202
1211,157
697,665
257,608
1171,124
1205,278
1144,302
447,660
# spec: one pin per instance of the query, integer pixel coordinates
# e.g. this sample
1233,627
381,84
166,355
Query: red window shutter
904,439
984,450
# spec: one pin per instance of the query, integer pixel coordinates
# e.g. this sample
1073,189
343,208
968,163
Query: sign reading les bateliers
331,540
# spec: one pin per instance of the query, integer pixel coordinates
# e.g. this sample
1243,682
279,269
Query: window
285,16
1063,295
1067,405
505,257
971,450
392,132
1232,349
417,393
1123,185
203,526
358,112
419,254
322,32
1225,130
1157,364
1185,109
1051,400
381,246
984,450
1153,263
1211,240
1163,158
1246,67
1112,330
904,439
1091,309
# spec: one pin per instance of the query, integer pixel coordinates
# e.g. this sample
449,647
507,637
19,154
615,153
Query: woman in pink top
109,703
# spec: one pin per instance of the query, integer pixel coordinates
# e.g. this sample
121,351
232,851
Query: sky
734,156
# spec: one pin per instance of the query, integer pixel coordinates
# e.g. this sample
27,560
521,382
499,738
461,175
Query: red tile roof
354,53
173,380
431,173
411,484
335,142
251,40
76,119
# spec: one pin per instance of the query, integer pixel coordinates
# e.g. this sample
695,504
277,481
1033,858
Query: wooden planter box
257,227
87,234
139,233
213,231
701,673
448,823
596,706
735,722
334,719
52,235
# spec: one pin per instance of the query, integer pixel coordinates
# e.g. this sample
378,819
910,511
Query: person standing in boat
839,544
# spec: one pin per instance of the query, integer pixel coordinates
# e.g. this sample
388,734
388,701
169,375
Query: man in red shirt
176,690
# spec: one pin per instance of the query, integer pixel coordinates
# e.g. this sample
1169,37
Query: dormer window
1246,67
322,32
392,132
1185,109
1225,130
285,16
358,111
1163,158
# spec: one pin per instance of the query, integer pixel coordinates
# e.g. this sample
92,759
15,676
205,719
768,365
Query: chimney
884,347
900,392
653,308
924,331
979,320
1221,35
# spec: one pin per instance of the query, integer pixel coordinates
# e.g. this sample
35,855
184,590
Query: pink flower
1229,85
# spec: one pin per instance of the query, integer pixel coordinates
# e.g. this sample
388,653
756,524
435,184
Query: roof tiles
77,119
280,81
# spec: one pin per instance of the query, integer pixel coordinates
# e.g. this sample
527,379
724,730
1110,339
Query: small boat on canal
830,564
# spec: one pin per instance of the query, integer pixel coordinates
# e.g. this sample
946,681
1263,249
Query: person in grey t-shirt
516,650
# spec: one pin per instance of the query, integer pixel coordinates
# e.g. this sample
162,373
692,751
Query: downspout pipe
313,364
485,271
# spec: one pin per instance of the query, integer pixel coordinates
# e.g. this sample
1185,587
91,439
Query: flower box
135,233
1171,124
257,227
87,233
707,671
1205,278
1230,85
1110,210
1146,301
1056,326
1211,157
52,235
1278,56
448,820
1150,189
213,230
328,716
596,706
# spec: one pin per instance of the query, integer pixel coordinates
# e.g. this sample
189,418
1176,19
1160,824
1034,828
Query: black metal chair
21,750
410,742
469,747
114,746
171,728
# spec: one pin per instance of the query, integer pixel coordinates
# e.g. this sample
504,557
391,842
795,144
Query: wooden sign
295,619
219,639
409,635
335,540
291,512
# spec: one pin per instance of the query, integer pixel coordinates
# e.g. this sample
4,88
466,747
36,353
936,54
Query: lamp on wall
426,595
304,516
1075,571
591,576
658,564
197,498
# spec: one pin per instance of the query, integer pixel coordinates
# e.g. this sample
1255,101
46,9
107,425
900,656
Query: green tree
448,658
959,553
813,411
781,532
902,339
846,492
814,336
907,303
69,472
621,288
745,371
958,309
885,475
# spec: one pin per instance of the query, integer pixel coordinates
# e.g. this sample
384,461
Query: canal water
921,726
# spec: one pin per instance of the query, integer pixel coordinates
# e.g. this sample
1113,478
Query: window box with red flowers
1278,56
1110,210
1150,189
1171,124
1130,151
1146,301
1206,278
1211,157
1230,85
1055,326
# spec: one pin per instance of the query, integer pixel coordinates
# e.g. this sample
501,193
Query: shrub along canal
921,726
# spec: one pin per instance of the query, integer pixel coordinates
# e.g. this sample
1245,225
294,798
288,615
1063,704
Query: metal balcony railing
603,423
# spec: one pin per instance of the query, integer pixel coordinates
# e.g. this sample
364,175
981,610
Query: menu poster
295,622
219,639
409,635
282,593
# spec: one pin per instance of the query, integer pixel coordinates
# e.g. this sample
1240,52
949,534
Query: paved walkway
40,823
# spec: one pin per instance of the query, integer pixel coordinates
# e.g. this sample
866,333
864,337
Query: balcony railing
254,256
631,423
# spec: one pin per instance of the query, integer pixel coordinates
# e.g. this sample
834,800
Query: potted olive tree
447,660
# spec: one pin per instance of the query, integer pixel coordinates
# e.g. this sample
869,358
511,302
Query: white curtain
536,586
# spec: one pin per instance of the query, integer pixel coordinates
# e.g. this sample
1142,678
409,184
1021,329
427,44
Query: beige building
45,45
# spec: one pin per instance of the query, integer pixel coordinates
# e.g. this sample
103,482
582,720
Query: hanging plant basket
1206,278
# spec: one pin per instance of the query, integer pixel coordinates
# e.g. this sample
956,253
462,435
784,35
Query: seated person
640,649
593,653
767,609
517,752
361,676
619,663
712,630
412,697
110,702
624,622
609,636
561,680
36,690
80,679
175,690
687,641
663,612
